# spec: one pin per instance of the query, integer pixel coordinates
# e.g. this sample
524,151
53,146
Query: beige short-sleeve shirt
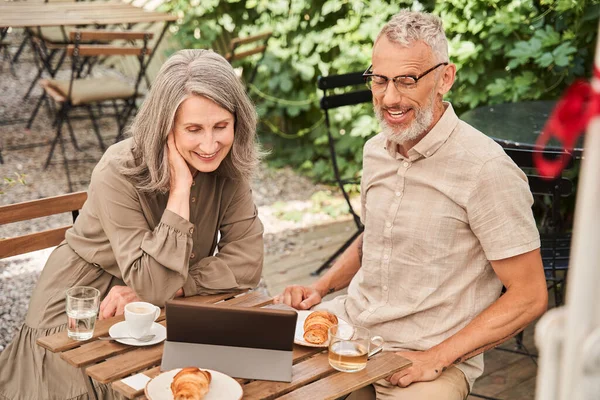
433,221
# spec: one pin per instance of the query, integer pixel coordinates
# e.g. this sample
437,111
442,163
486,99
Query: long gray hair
408,27
188,73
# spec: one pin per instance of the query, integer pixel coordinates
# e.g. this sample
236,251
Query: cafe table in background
312,377
516,125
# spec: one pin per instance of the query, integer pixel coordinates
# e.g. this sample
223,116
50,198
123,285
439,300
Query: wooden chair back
29,210
103,36
259,40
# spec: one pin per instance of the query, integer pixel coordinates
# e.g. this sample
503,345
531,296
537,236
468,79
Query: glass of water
82,310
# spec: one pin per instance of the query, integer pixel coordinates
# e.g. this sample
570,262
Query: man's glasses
379,83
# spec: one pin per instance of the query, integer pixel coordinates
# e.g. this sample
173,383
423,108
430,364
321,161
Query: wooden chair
238,49
101,92
37,209
7,57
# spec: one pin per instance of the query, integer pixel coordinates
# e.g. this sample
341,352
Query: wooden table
23,14
312,376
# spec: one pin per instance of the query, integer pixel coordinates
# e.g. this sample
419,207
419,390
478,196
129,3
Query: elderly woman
150,227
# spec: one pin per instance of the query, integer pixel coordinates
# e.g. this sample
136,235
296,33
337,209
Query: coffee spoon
145,338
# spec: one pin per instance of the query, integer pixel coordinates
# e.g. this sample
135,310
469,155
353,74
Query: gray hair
408,27
188,73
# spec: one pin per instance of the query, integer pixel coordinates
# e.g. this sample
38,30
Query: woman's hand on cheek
116,300
181,176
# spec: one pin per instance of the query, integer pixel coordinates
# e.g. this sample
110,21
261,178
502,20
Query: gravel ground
286,201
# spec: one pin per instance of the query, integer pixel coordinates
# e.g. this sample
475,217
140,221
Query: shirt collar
436,137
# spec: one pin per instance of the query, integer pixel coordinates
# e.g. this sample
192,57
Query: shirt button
388,224
428,152
398,194
193,199
385,257
192,255
385,288
193,183
191,230
405,164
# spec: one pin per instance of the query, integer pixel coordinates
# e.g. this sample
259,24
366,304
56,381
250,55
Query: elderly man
448,222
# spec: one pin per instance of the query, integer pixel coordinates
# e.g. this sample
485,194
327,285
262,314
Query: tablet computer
242,342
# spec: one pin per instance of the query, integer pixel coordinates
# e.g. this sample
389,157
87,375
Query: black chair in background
555,237
330,101
556,240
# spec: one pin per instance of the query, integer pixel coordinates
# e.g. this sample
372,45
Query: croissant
190,383
316,326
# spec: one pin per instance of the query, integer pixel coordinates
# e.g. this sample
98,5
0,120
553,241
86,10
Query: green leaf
545,60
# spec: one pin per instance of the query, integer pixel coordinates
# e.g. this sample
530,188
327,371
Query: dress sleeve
154,263
238,264
499,210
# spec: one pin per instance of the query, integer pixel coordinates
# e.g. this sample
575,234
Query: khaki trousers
451,385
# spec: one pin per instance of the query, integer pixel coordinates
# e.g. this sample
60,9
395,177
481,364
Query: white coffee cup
139,317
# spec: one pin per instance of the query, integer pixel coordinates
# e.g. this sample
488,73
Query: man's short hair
408,27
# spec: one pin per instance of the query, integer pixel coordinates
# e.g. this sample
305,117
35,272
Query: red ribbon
568,121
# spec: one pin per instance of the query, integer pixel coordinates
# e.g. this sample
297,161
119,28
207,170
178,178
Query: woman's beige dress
124,237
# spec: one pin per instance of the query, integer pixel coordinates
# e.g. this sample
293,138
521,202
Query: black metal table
516,125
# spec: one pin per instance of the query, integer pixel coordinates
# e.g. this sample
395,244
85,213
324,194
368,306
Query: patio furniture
250,45
516,125
313,377
95,92
328,102
556,240
6,56
34,16
26,211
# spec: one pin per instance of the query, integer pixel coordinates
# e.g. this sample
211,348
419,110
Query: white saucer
120,329
299,334
222,387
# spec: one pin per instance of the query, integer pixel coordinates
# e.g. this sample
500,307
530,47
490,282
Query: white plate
222,387
299,335
120,330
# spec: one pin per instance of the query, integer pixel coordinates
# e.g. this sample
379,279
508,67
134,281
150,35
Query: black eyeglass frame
366,75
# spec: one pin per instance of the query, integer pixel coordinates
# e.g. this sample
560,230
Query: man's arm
336,278
526,298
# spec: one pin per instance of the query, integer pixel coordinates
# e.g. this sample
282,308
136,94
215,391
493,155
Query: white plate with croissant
192,383
312,327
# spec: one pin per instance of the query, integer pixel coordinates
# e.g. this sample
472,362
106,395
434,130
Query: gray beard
422,122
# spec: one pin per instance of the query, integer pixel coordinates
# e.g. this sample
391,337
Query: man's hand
426,366
116,300
299,297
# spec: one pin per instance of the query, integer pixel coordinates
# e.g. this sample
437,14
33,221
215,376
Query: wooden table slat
93,352
130,392
303,373
61,342
342,383
205,299
126,364
301,353
21,15
252,299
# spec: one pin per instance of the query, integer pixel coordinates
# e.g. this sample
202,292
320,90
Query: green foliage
505,51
